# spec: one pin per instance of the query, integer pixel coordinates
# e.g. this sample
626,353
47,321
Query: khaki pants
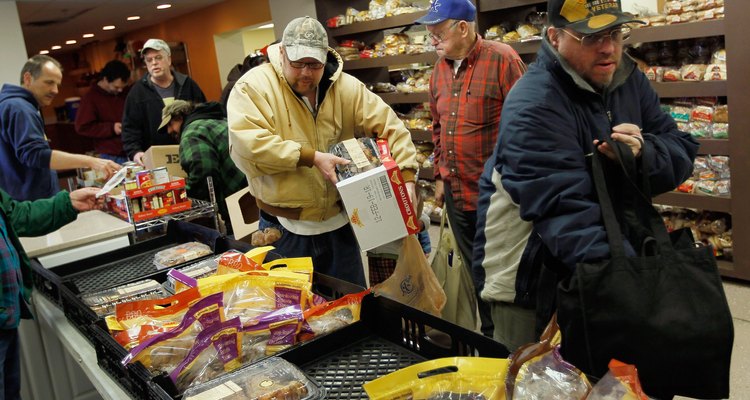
514,325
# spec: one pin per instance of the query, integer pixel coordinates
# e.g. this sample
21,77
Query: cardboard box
165,156
243,214
378,205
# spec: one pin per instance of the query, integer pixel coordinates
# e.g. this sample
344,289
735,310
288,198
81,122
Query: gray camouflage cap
305,37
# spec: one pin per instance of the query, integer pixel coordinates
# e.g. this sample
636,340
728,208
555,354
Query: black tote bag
664,312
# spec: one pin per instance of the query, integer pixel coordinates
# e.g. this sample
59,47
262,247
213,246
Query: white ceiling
52,22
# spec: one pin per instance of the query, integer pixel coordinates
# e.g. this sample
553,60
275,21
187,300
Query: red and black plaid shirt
466,114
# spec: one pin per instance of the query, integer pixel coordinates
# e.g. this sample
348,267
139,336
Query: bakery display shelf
527,47
716,147
697,201
377,24
400,98
690,89
420,135
378,62
492,5
678,31
427,173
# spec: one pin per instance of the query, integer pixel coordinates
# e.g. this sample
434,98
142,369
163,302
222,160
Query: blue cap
440,10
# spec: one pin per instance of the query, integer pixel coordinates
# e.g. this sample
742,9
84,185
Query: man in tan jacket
283,117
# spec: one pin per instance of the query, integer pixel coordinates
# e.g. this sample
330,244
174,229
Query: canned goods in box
160,175
144,178
180,195
131,184
167,198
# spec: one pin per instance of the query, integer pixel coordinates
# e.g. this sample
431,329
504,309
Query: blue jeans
334,253
10,365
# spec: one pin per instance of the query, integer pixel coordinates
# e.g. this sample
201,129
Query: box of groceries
373,191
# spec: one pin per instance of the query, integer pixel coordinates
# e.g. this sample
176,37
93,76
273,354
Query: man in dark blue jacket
148,96
537,207
27,162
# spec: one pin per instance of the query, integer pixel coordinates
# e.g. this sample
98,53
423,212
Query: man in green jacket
26,218
201,131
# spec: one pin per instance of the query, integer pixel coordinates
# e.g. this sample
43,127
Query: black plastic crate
64,284
140,383
388,337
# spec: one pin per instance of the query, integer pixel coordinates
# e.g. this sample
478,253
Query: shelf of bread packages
377,24
378,62
492,5
697,201
690,89
714,146
400,98
687,30
526,47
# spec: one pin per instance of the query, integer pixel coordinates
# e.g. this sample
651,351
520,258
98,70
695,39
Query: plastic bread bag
104,302
272,378
475,378
159,315
620,383
181,254
549,377
413,282
248,296
528,362
162,353
234,261
363,154
186,277
216,351
299,265
332,315
270,333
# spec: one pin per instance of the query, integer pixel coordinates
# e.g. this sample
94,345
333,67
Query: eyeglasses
440,37
302,65
617,35
149,60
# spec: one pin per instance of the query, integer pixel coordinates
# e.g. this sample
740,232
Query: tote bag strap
614,233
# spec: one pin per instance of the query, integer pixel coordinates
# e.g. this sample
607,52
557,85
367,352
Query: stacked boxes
151,200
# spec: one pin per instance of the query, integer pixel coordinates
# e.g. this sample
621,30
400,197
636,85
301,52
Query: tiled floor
738,295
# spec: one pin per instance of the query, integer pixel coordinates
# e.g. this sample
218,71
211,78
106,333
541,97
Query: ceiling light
70,42
56,47
163,6
134,18
266,26
108,27
44,52
88,35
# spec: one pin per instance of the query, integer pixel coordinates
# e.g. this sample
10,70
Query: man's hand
626,133
138,158
108,167
326,164
439,192
118,128
85,199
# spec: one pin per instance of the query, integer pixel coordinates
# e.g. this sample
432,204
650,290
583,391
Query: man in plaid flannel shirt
201,131
467,90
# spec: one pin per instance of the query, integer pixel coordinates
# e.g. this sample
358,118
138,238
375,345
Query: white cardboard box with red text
378,205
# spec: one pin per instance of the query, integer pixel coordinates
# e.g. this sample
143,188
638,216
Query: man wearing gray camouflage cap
283,117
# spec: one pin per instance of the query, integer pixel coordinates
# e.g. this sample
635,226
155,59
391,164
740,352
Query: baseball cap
305,37
440,10
156,44
587,16
175,107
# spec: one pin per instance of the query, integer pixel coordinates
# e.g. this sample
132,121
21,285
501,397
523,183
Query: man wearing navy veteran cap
283,118
538,215
467,91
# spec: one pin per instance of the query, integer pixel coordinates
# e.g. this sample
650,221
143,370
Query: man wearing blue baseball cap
467,91
538,214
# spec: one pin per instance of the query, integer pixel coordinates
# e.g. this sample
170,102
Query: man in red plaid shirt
467,90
